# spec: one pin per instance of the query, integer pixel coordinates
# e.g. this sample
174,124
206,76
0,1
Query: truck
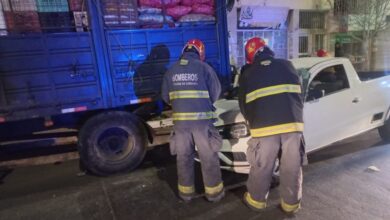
338,103
100,74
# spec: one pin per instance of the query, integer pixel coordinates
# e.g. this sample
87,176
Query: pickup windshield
304,74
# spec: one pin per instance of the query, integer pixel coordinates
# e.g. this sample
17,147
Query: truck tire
384,131
112,142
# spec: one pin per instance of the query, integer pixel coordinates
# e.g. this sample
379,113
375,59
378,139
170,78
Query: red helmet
198,45
253,46
322,53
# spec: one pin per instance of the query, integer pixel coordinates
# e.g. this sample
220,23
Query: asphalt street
338,184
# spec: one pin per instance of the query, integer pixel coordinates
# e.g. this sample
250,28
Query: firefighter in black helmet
191,87
270,100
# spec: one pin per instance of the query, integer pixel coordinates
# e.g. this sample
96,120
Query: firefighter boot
217,197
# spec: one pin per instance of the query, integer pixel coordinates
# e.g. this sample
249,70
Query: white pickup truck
339,103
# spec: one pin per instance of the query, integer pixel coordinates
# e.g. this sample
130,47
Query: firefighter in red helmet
271,102
191,87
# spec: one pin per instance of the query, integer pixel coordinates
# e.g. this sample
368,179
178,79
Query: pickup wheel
112,142
384,131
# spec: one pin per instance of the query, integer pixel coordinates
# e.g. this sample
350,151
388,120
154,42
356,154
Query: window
303,45
319,42
329,81
345,7
312,19
275,39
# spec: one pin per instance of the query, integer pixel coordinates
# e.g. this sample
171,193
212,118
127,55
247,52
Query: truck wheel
384,131
112,142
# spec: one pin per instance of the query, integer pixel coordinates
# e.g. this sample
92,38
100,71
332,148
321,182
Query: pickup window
328,81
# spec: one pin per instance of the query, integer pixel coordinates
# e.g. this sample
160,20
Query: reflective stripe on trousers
289,208
214,190
272,90
254,203
186,189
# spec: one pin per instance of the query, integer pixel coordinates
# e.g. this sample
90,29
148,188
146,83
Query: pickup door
330,105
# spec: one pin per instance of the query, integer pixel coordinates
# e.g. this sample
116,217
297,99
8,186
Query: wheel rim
114,144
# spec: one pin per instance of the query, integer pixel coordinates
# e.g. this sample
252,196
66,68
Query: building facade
293,28
299,28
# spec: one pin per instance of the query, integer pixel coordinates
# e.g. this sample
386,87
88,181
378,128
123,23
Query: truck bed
370,75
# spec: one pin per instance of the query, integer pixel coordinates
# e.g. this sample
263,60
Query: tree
369,18
364,20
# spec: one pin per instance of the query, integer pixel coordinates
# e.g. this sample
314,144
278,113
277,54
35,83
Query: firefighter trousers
208,142
262,153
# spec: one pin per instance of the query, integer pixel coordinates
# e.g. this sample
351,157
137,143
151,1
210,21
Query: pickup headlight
234,131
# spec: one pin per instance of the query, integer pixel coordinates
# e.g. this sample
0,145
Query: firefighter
270,100
191,87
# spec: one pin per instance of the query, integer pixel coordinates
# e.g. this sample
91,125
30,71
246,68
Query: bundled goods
196,17
20,16
202,9
22,22
178,11
52,5
159,3
149,10
19,5
193,2
112,20
120,12
56,21
77,5
151,16
193,11
154,19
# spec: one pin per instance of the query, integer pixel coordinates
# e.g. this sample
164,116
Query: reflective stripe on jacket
189,94
270,97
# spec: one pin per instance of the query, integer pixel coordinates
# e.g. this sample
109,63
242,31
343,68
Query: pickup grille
235,156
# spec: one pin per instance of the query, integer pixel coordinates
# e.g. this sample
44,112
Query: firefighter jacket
270,97
191,87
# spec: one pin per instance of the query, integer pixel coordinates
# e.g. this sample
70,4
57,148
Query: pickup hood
228,112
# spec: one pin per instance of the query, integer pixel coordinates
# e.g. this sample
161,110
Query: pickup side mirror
235,75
